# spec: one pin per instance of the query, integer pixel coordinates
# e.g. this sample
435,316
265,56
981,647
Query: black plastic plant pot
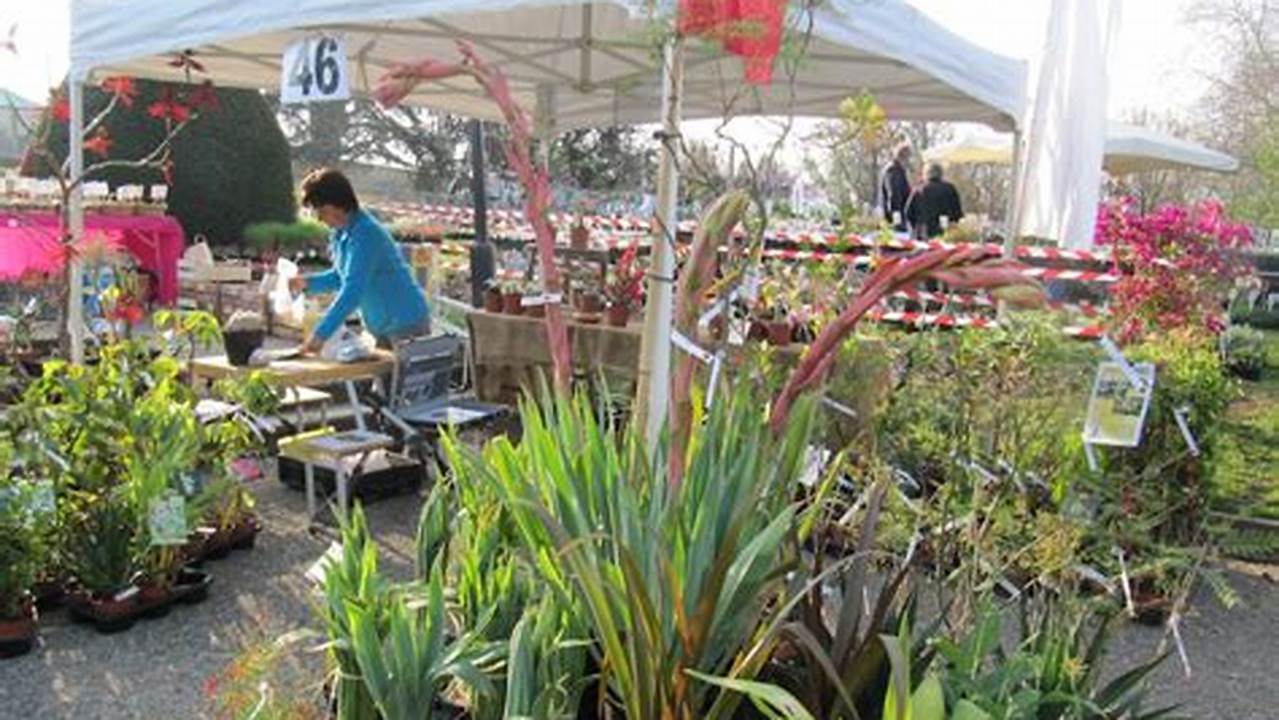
240,345
107,615
18,635
192,586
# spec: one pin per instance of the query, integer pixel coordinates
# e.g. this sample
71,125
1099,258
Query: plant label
319,569
543,299
1118,407
167,520
43,499
682,342
1184,425
315,70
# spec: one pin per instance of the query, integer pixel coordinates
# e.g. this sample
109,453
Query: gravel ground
157,668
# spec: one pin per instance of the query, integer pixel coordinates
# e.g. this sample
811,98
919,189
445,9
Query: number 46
317,66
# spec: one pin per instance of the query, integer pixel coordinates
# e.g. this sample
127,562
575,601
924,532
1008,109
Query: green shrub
1245,351
285,237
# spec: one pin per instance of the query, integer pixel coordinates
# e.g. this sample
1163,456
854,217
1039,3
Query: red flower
203,97
60,108
100,143
168,108
210,686
127,310
123,88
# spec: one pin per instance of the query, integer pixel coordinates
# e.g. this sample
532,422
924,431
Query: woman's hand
312,346
297,285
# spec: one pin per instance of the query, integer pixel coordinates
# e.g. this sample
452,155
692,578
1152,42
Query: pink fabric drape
29,241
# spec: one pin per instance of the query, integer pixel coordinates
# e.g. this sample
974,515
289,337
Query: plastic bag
283,304
348,346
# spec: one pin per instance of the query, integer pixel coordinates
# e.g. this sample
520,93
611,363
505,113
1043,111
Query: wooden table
301,372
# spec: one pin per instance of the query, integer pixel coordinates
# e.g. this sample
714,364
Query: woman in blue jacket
369,274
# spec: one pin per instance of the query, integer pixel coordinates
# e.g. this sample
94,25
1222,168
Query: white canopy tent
585,63
1129,149
578,63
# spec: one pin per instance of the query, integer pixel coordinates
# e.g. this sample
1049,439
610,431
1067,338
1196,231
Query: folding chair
421,389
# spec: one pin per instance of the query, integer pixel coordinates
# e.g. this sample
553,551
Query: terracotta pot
758,331
589,302
493,301
779,332
579,237
511,303
18,634
618,315
537,311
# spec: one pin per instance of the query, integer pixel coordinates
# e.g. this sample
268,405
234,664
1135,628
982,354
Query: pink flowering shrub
1180,263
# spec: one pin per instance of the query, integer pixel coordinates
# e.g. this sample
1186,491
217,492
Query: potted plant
493,297
512,296
21,556
624,289
579,235
770,320
99,547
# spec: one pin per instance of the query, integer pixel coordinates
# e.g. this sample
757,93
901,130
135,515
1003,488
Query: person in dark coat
894,188
930,203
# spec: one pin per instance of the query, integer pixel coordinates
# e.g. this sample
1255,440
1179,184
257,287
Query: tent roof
592,63
1129,149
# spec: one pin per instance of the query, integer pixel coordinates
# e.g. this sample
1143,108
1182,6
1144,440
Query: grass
1246,471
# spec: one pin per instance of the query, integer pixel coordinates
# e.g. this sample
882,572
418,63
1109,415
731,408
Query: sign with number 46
314,70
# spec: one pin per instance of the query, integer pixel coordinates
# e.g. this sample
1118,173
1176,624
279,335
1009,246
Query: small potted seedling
624,289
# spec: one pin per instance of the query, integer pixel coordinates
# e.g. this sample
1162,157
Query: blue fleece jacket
369,274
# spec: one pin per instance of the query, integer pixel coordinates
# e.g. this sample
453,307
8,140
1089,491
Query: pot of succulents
22,552
512,296
624,288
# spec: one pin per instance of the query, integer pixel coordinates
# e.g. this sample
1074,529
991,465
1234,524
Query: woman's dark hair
327,186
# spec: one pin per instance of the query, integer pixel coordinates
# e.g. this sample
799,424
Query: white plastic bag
283,304
348,346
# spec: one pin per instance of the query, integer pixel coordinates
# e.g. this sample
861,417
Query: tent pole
75,220
655,347
1012,214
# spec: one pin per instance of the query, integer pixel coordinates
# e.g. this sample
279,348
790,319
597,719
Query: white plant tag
1117,357
683,343
167,520
319,569
1183,425
543,299
839,407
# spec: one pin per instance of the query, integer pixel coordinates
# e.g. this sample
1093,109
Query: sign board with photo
1117,409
